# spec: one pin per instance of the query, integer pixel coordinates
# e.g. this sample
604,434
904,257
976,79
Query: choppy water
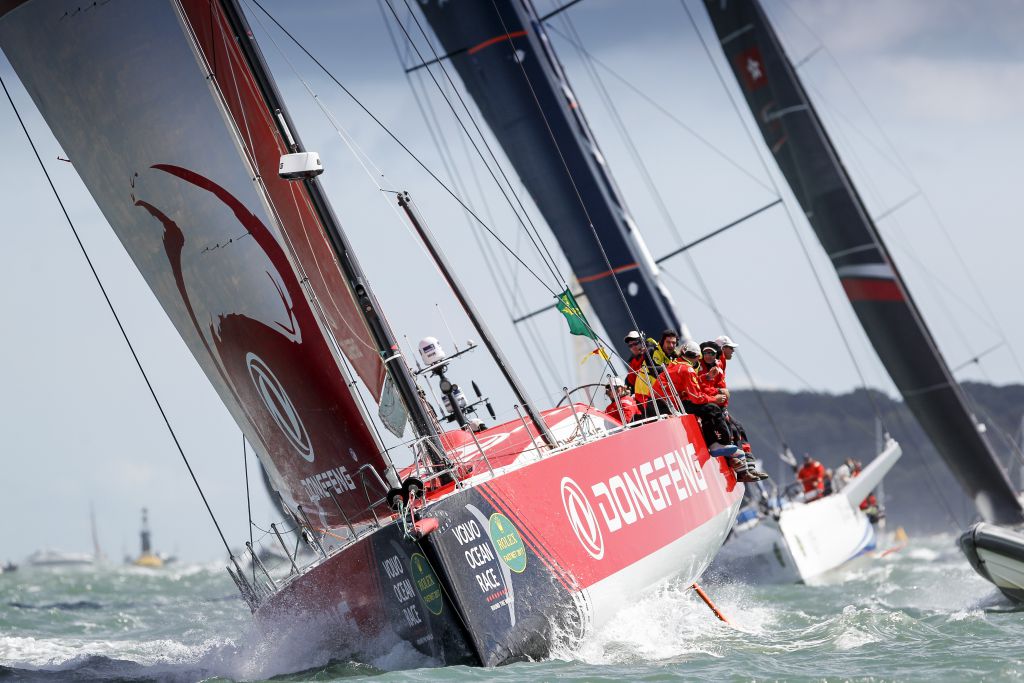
919,614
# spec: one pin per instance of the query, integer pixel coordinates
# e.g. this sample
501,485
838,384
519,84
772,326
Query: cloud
955,91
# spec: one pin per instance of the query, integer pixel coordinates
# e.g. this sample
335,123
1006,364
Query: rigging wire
666,215
662,109
909,175
532,229
117,319
400,143
535,236
572,180
436,132
789,214
929,475
904,169
248,501
868,185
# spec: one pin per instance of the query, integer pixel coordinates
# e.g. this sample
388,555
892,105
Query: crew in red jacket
626,403
812,476
728,347
696,401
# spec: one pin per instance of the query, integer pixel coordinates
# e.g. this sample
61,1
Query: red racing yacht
494,543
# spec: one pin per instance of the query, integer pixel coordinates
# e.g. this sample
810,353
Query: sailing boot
740,470
752,469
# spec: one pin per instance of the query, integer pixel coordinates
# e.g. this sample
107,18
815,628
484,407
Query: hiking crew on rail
691,377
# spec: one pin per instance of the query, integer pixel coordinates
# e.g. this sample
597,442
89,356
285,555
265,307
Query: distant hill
921,494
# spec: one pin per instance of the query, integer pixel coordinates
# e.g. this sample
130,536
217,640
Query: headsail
807,158
503,57
159,114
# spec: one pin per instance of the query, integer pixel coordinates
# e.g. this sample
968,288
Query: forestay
808,160
503,57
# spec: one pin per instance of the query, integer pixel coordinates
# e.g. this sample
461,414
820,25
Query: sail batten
502,55
167,130
804,153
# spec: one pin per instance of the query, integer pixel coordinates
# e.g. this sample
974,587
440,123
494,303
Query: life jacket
686,382
712,382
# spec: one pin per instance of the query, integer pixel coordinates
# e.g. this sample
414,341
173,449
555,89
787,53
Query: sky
922,98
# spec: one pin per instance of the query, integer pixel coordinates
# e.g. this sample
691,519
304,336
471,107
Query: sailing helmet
691,350
725,340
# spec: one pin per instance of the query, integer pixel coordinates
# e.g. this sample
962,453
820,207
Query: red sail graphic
127,96
295,213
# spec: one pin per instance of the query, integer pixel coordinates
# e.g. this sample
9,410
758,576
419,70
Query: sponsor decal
479,555
280,406
321,484
582,518
628,497
509,543
427,583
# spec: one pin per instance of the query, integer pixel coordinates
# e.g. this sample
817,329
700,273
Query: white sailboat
786,540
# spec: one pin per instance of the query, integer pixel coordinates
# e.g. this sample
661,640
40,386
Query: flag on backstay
578,324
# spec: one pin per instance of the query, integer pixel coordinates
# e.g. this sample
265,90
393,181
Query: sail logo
582,518
280,406
750,67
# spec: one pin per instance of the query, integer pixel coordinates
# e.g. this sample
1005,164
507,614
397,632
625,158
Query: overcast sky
942,79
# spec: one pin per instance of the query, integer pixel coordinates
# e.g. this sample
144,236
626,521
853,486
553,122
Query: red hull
548,547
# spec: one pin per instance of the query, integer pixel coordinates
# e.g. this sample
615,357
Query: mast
503,57
387,343
807,158
467,305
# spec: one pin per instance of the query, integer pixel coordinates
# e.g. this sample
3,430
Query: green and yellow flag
578,324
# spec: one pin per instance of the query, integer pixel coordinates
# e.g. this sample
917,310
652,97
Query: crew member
669,346
639,363
711,375
713,361
812,476
728,347
696,401
841,477
626,403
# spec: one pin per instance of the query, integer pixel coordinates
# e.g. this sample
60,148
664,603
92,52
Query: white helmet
614,382
724,341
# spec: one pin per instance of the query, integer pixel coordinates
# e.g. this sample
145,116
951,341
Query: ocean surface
917,614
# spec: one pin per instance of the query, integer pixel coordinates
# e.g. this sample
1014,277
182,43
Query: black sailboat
506,63
807,158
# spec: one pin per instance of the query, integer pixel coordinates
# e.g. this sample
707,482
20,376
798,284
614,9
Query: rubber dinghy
997,553
494,542
798,542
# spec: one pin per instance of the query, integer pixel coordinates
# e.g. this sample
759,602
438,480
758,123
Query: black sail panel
880,298
506,64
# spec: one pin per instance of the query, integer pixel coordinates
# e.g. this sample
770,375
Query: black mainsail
505,60
797,139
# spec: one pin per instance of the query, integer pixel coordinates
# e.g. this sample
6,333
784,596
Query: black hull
997,553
